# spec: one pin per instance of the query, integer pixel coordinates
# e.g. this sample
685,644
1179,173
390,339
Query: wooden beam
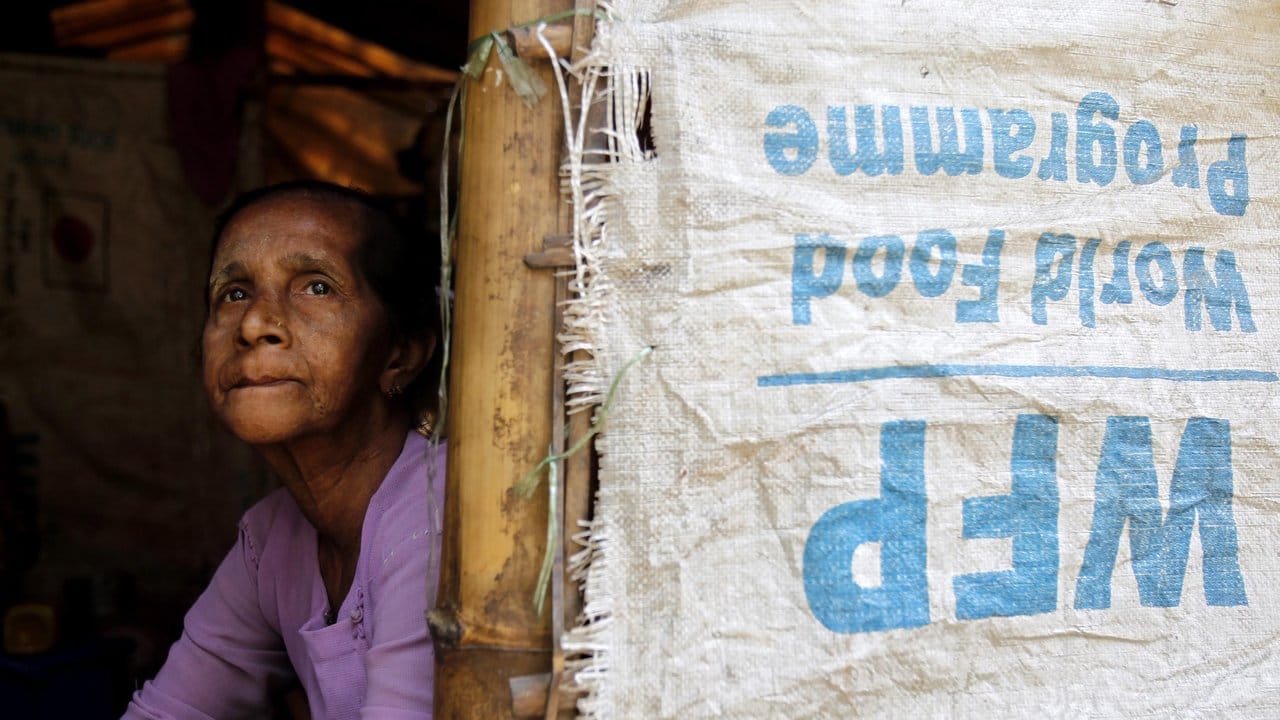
166,49
84,17
377,59
580,480
557,252
314,57
524,40
172,22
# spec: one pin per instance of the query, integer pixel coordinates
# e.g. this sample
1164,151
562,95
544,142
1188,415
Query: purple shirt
261,621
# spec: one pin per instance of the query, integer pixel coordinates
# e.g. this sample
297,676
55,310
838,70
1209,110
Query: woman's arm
228,659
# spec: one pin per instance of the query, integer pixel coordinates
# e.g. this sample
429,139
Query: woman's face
296,340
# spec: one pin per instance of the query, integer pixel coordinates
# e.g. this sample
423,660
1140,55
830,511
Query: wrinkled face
295,339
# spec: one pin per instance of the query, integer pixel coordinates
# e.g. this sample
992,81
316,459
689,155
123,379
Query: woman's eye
318,287
234,295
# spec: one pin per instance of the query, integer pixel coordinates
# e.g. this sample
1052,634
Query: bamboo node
445,628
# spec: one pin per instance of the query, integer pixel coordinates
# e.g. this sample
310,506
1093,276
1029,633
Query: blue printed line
893,372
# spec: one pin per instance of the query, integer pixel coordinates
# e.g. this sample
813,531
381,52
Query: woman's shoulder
409,505
278,506
273,520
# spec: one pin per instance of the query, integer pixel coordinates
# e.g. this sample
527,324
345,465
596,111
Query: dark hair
401,265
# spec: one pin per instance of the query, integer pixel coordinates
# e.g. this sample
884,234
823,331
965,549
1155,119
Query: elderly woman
319,324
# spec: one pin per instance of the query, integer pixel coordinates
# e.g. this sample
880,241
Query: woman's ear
407,359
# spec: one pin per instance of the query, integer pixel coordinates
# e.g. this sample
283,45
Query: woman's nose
263,323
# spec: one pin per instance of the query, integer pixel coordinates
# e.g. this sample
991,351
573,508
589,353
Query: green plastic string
529,483
448,229
523,79
473,48
527,84
553,535
478,56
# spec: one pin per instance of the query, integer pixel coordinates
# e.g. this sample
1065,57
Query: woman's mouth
261,382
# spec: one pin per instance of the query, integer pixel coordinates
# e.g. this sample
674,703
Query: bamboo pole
501,386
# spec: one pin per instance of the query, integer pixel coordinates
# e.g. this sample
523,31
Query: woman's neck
333,477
